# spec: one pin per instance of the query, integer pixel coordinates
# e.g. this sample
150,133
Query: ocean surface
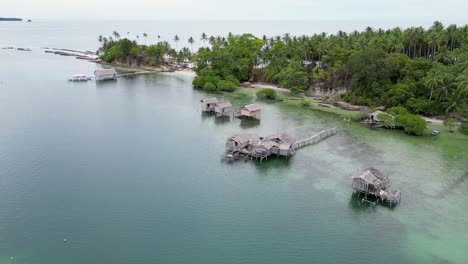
130,171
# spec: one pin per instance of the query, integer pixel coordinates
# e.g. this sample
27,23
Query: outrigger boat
79,78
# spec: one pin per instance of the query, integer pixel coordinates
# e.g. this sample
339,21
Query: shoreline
319,102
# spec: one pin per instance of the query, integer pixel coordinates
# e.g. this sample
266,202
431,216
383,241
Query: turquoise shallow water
130,172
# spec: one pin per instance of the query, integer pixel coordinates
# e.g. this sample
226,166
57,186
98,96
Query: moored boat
79,78
435,132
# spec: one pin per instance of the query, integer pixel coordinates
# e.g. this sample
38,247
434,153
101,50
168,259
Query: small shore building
208,104
105,74
223,108
251,110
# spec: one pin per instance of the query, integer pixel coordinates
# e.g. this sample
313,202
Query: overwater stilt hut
251,110
281,144
372,182
208,104
105,74
239,141
223,108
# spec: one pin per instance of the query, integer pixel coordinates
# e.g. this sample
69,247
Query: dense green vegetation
129,52
267,94
230,60
425,71
464,127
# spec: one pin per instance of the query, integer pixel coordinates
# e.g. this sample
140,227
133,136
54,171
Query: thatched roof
225,104
210,100
268,144
241,138
371,176
105,72
252,107
283,137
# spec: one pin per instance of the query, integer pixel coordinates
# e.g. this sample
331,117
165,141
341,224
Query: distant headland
10,19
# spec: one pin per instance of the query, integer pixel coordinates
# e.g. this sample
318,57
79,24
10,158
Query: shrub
305,102
397,110
227,86
209,86
267,94
413,124
200,81
232,79
450,122
387,120
464,127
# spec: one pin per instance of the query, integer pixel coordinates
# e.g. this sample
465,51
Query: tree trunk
432,90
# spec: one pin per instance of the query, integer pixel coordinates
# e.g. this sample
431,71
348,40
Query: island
10,19
405,73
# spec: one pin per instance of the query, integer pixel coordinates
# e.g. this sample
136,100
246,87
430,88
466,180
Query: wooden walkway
314,138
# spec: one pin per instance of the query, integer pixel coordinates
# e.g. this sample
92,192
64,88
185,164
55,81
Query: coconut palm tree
204,38
432,81
145,36
191,41
176,40
462,84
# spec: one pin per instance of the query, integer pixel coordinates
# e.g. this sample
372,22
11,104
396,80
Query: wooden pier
314,138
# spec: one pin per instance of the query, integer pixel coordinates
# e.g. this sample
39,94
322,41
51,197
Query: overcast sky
453,11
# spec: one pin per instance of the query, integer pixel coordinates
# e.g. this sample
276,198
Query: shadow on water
451,187
221,120
249,123
359,205
272,163
207,115
106,83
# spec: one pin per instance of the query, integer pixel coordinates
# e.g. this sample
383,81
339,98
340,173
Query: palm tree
204,38
100,39
176,40
432,81
454,102
138,38
145,36
462,84
128,34
191,41
444,89
116,34
159,37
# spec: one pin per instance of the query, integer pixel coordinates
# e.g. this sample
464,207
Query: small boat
79,78
435,132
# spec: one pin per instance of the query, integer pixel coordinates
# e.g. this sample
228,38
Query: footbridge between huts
314,138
